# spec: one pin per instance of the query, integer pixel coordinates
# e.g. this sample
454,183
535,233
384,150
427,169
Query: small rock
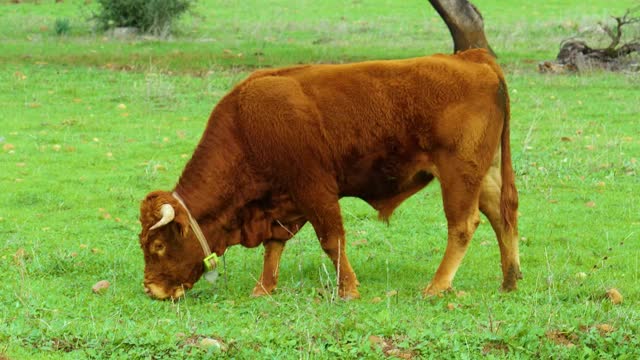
213,343
100,287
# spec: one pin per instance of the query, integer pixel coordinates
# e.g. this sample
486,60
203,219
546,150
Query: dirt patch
495,348
562,338
389,348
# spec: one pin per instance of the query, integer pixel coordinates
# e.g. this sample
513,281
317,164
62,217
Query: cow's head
173,256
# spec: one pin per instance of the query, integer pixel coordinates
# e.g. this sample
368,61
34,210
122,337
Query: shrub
62,26
149,16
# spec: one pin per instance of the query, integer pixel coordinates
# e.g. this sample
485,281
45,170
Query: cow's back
349,119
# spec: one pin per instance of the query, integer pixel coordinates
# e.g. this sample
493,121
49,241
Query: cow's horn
168,214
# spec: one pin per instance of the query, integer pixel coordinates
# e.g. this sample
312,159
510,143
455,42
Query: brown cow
285,144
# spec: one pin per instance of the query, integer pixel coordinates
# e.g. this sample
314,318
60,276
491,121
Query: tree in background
465,24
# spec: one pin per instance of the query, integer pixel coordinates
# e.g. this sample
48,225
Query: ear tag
211,268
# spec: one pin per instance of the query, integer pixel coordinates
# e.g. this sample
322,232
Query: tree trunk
464,22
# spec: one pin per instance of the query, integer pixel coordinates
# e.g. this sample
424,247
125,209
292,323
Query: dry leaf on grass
100,287
615,296
604,329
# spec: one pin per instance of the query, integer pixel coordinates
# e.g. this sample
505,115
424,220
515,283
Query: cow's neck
207,181
216,182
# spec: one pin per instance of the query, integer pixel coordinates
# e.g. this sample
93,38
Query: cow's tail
508,192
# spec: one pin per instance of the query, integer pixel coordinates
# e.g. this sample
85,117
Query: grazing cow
285,144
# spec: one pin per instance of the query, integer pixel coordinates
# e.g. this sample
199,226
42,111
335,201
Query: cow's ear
154,215
182,221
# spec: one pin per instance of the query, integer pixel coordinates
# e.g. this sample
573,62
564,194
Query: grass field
90,124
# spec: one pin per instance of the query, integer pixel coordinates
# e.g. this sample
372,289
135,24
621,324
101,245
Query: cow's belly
382,180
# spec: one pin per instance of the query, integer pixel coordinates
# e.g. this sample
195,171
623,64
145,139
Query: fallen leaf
359,242
604,329
376,300
615,296
374,340
451,306
7,147
590,204
566,139
20,76
19,256
392,293
122,106
100,287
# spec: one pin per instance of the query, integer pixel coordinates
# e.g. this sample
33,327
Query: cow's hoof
509,287
432,290
350,295
510,281
260,290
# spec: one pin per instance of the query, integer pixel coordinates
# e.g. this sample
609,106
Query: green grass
89,125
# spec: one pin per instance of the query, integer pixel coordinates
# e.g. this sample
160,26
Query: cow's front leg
334,247
323,212
269,277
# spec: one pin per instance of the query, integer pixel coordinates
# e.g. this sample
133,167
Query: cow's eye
158,248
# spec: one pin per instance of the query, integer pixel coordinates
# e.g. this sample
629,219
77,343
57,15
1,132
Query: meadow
89,124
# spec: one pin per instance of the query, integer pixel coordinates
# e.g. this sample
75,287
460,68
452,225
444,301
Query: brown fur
285,144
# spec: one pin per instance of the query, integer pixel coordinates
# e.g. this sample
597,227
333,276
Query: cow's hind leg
269,277
507,238
322,210
460,195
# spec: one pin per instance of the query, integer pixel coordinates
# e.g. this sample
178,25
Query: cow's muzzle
158,292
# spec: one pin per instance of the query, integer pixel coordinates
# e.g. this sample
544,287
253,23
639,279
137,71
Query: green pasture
89,124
